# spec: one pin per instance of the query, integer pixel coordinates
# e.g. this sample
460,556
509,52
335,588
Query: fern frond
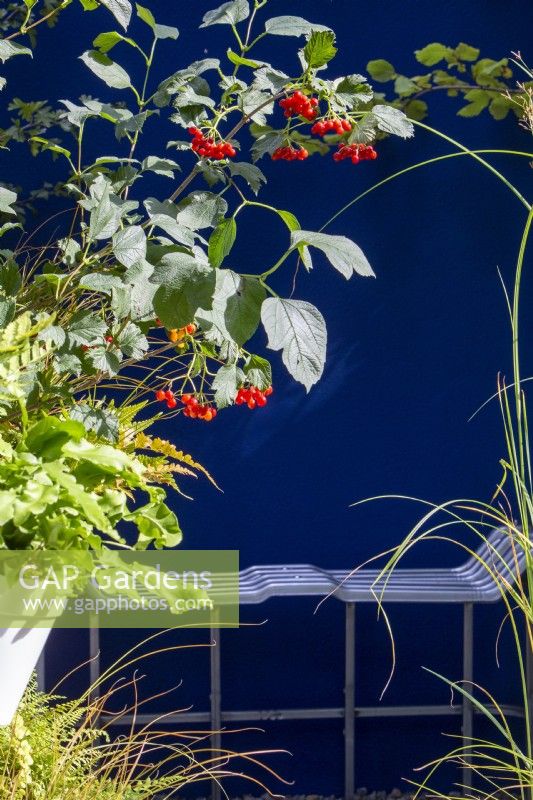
157,445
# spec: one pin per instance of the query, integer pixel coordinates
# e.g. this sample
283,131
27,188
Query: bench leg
468,677
349,704
216,703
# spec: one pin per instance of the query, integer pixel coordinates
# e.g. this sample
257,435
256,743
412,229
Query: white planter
20,649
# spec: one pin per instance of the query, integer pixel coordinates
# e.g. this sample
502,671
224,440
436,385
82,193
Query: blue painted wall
411,355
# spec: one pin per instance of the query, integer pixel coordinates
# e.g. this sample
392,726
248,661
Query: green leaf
240,61
298,329
10,49
342,253
107,70
7,198
466,52
47,437
237,305
227,14
380,70
146,15
225,383
258,371
160,31
100,282
105,42
157,524
289,219
201,210
54,148
132,341
104,360
291,26
320,48
7,311
251,174
10,277
121,10
478,99
185,285
161,166
129,245
100,420
86,327
221,241
431,54
392,120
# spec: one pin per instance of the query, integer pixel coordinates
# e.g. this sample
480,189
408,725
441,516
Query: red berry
261,400
85,347
268,391
186,399
169,394
251,403
193,403
109,339
172,402
160,395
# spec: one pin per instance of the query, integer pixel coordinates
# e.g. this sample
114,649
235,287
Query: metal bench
466,584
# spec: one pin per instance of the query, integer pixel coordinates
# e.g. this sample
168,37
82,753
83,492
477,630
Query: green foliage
460,72
59,749
87,313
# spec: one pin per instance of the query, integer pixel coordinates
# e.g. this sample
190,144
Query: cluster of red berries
206,147
298,104
253,397
355,152
290,154
339,126
167,396
196,410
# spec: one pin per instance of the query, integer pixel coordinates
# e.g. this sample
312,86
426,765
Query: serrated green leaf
132,341
225,383
221,241
392,120
100,420
86,327
251,174
320,49
201,210
184,286
258,371
104,360
298,329
129,245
